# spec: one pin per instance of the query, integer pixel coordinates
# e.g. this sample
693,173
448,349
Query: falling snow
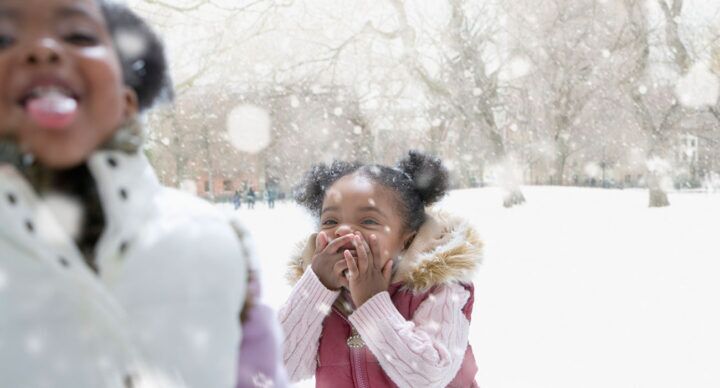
699,88
569,262
323,308
130,43
3,279
249,128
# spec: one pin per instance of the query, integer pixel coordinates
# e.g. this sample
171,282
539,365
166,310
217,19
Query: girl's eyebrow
329,209
73,11
372,209
65,12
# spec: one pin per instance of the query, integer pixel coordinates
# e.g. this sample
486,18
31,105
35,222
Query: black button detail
11,198
29,226
124,247
112,162
64,262
123,194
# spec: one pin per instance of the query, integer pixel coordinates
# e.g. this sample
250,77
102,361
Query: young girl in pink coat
383,292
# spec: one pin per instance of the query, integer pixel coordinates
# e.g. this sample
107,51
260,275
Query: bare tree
657,117
465,83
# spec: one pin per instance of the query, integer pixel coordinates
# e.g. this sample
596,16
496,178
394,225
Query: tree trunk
208,163
560,169
513,198
514,194
658,197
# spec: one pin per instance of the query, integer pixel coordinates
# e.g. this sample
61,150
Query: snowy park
576,144
578,288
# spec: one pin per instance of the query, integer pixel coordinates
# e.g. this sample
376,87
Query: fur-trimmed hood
446,249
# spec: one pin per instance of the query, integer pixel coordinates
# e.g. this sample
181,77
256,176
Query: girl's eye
81,39
6,41
370,222
329,222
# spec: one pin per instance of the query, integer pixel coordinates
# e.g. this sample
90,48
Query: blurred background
604,93
582,136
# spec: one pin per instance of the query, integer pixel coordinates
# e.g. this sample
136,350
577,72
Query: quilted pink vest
340,366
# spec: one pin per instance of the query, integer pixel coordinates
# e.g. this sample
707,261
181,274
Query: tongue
52,111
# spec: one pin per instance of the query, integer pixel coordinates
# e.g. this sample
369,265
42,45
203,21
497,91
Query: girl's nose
43,51
343,230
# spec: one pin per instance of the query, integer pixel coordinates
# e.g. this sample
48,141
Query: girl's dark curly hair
141,53
418,181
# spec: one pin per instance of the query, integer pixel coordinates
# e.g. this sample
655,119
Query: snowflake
34,344
294,102
248,127
3,279
699,88
322,307
260,380
130,43
199,338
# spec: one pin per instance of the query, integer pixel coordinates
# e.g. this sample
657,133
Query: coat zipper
356,346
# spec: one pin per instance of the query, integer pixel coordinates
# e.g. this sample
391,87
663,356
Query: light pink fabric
426,351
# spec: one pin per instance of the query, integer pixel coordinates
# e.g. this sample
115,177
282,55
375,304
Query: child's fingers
362,254
366,247
378,257
335,245
368,251
340,270
351,264
340,267
321,242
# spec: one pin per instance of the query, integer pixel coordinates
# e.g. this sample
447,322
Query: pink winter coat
413,335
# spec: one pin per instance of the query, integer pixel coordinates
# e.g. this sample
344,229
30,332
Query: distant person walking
237,200
271,195
250,198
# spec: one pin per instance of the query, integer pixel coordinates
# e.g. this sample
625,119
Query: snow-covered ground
579,288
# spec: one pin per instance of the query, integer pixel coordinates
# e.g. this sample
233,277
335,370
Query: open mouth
349,247
52,92
50,104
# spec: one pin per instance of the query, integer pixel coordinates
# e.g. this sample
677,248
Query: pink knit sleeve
424,352
301,318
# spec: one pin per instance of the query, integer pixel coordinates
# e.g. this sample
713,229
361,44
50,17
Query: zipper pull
355,341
